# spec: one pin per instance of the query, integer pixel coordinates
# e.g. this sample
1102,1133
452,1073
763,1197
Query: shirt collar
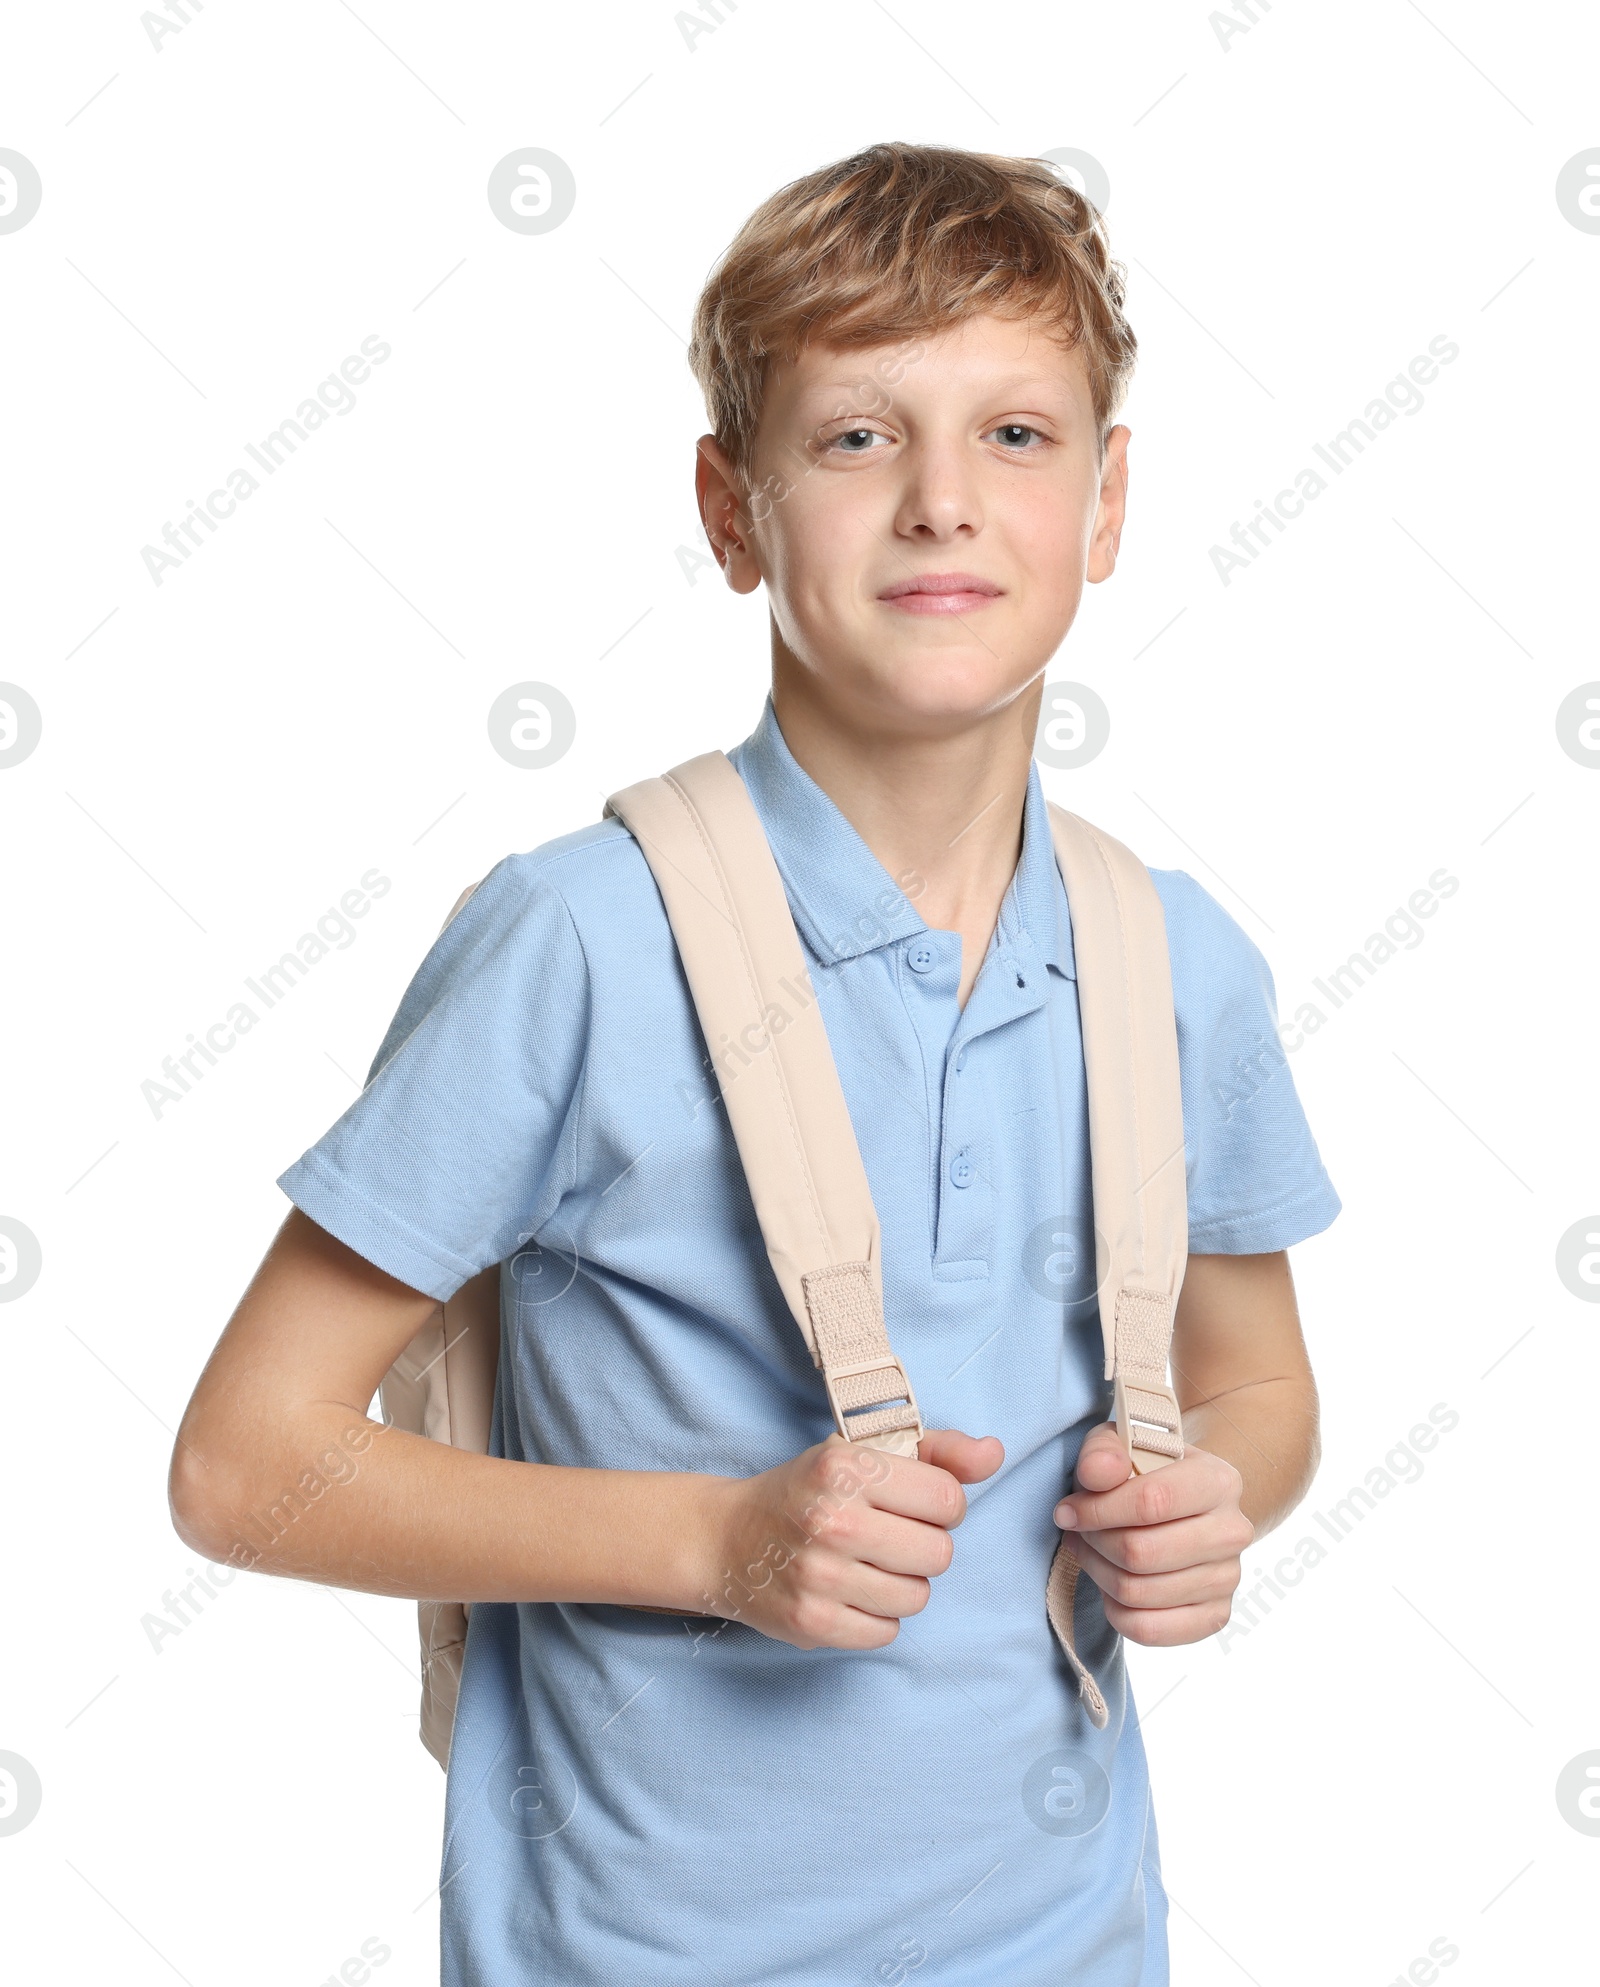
845,902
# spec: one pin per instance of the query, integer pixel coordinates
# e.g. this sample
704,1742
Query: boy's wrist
691,1547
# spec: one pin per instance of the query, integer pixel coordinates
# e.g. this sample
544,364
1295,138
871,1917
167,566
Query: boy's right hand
828,1551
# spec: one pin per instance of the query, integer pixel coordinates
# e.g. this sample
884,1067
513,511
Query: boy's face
966,459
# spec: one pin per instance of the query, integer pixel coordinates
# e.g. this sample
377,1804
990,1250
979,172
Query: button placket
1012,985
966,1198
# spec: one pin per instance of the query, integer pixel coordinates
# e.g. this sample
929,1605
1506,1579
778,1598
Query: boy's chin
938,695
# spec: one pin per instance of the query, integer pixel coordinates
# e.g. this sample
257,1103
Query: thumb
1102,1461
968,1458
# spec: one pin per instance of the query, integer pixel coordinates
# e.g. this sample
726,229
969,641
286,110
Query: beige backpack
701,835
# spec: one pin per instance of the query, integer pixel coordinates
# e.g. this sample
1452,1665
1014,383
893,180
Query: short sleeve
1255,1178
461,1144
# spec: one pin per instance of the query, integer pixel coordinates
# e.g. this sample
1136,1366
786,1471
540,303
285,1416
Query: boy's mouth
940,593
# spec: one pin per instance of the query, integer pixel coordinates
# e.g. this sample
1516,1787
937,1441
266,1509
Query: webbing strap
1146,1409
699,831
1130,1053
1060,1595
867,1386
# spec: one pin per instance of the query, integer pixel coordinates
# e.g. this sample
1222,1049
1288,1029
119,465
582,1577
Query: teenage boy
876,1758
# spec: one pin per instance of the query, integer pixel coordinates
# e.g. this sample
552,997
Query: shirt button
919,956
961,1170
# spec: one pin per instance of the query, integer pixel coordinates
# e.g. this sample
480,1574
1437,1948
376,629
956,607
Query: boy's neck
948,807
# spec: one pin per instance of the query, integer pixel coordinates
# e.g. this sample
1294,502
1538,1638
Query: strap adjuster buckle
1149,1421
866,1412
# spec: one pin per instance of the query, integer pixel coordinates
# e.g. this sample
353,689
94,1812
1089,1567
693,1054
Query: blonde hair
897,242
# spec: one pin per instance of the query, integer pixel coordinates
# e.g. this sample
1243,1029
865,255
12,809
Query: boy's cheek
765,495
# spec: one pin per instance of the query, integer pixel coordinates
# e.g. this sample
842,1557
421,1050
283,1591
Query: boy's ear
1113,506
719,492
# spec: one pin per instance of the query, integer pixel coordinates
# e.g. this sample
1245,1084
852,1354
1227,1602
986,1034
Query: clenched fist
1163,1548
830,1549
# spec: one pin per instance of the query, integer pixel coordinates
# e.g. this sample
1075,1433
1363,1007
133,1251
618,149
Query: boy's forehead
995,354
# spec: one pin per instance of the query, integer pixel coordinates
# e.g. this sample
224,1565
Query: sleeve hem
334,1203
1265,1232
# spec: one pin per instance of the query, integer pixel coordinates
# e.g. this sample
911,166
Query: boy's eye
857,441
1011,433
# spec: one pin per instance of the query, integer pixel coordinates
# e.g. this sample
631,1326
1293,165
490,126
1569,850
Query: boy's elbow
200,1501
187,1500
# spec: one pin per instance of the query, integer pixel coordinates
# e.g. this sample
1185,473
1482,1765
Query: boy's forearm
355,1504
1269,1432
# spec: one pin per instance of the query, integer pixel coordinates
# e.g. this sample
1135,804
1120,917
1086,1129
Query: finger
909,1487
832,1627
1167,1548
968,1458
897,1545
893,1595
1165,1628
854,1628
1185,1585
851,1606
1179,1490
1102,1461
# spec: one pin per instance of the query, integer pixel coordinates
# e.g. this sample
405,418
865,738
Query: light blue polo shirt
649,1798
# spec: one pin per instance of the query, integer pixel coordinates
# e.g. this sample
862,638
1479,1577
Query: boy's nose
939,495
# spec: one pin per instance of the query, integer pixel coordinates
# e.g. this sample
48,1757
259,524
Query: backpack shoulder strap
1141,1243
1130,1052
699,831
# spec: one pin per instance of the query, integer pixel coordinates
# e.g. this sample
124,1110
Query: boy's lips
940,593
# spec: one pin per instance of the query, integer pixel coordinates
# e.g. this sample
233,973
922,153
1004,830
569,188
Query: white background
1373,1766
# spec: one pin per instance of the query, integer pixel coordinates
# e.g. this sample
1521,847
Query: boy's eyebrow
1019,384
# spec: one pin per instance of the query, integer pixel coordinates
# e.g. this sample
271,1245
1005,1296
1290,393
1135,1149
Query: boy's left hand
1163,1548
